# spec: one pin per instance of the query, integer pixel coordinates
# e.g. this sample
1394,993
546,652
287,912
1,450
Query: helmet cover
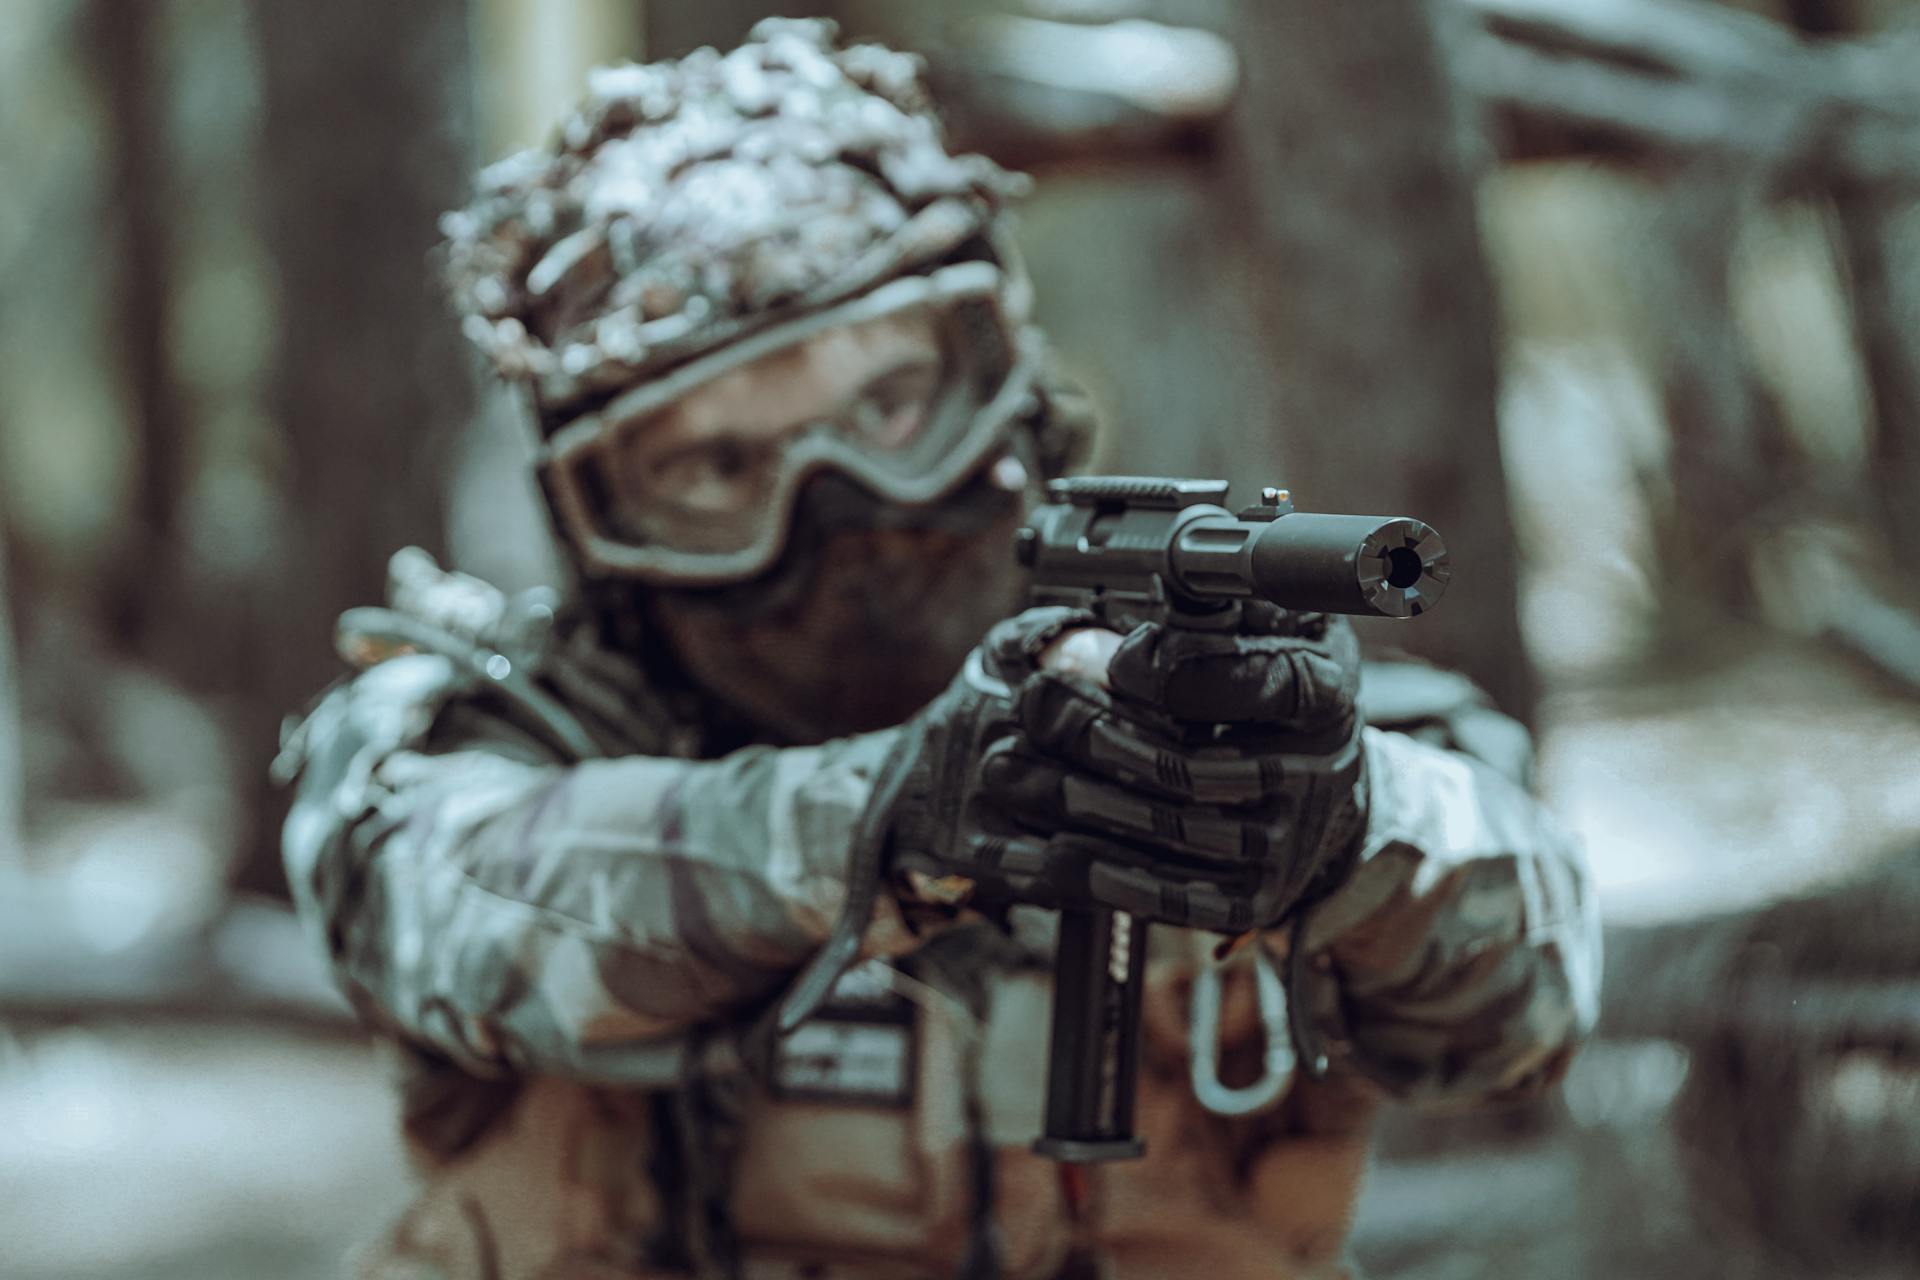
687,204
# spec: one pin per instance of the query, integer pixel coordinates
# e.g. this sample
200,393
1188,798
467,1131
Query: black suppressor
1136,548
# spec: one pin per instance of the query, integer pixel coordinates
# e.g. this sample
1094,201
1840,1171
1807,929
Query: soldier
565,852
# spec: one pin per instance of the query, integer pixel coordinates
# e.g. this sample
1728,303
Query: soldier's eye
715,477
892,409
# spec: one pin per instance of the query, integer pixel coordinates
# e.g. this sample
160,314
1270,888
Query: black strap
865,868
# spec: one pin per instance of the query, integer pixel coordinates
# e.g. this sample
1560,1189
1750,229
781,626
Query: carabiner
1204,1030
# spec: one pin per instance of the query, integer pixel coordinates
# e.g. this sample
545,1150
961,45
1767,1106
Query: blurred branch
1031,92
1867,222
1845,585
1886,634
1658,79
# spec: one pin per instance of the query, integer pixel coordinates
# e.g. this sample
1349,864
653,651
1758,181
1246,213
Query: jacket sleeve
1460,960
511,911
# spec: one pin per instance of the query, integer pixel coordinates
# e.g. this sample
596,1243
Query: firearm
1134,549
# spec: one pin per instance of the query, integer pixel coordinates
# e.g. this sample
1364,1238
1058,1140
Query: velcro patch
859,1049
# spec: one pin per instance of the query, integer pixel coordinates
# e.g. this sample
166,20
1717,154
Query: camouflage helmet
688,204
697,214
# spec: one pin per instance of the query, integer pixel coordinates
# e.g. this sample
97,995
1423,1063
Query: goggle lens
700,487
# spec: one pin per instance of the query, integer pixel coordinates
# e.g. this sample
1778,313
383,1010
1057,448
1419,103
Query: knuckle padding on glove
1231,678
1071,719
1044,793
1116,749
1189,827
1191,903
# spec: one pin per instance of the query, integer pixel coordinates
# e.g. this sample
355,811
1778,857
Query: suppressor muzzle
1392,566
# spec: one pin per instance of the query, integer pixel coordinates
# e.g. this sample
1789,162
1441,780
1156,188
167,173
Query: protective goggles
641,494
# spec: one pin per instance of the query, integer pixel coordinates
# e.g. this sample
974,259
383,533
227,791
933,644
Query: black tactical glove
1216,783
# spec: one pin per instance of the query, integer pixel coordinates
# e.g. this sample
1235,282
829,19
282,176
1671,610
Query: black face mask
869,613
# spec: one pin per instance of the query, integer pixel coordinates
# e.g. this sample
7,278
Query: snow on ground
1776,774
192,1152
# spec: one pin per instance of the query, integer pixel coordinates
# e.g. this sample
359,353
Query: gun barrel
1390,566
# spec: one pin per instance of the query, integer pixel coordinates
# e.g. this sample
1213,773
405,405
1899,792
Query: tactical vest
865,1155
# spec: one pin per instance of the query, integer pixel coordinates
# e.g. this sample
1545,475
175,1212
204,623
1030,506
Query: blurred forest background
1622,295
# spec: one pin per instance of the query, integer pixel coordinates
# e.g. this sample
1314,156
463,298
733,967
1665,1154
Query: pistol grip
1093,1059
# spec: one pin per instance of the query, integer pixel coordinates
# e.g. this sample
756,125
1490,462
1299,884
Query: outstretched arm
511,911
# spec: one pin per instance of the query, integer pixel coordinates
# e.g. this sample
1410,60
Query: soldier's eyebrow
650,425
909,360
671,429
912,362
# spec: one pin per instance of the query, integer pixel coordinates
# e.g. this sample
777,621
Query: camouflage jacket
510,883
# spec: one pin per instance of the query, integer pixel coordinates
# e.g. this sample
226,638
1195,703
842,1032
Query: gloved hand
1213,782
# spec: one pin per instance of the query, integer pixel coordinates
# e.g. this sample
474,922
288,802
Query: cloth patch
862,1047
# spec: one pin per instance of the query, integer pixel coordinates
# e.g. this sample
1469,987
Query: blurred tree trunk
144,578
1886,307
531,63
367,140
1378,324
1885,310
1730,455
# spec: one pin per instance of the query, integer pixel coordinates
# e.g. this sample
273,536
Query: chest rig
532,680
